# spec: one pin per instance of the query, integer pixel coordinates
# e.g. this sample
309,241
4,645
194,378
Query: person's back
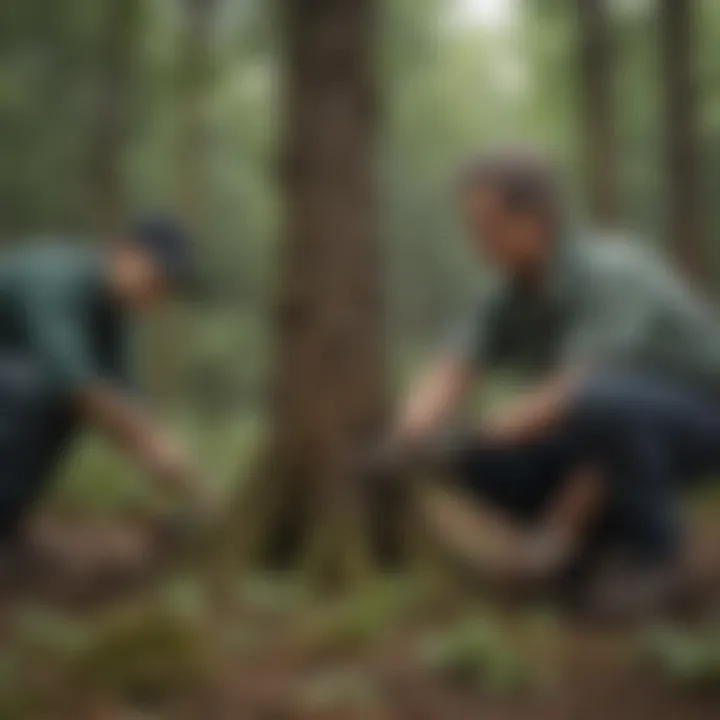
627,305
63,359
55,303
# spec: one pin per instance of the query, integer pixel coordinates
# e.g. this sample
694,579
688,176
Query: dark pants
34,431
647,438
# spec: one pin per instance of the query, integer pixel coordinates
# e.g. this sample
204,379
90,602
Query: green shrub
687,658
361,618
477,653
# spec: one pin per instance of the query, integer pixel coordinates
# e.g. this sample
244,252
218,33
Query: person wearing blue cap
65,313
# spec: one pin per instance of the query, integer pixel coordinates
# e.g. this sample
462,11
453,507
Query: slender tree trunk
196,69
684,200
597,101
329,375
115,62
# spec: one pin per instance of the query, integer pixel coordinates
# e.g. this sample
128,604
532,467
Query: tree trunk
115,62
596,90
329,378
196,69
684,199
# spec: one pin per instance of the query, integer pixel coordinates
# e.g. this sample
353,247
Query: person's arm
470,348
139,436
612,323
411,437
434,400
536,412
58,341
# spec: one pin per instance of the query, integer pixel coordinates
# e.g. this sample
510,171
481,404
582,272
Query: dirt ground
594,677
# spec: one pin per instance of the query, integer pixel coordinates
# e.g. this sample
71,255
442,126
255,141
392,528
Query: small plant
341,689
149,649
478,654
37,652
360,619
690,659
142,657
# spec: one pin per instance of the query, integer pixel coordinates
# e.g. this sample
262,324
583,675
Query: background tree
329,379
686,217
115,64
194,92
597,107
196,64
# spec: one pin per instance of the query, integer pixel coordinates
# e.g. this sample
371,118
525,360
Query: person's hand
544,553
504,425
169,462
535,413
171,465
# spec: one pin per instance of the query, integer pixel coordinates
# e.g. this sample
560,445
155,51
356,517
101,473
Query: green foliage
446,89
271,594
37,631
142,651
685,657
338,690
144,655
360,619
478,653
38,652
98,480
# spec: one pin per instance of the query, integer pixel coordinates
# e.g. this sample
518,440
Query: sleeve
615,318
57,337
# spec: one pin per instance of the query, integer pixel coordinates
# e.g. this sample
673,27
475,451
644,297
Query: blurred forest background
114,107
312,147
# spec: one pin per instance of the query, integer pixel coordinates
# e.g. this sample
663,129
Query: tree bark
196,69
328,391
598,105
110,124
686,220
195,66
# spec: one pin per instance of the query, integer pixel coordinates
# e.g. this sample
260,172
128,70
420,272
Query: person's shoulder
47,263
620,254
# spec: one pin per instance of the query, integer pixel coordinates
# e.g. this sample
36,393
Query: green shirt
56,310
603,301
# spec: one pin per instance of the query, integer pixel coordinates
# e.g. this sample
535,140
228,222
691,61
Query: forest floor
102,637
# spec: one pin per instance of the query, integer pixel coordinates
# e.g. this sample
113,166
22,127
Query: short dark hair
525,179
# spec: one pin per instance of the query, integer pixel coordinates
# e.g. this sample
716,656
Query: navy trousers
35,429
648,437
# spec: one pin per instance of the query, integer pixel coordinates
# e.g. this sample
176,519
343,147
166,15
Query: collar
559,275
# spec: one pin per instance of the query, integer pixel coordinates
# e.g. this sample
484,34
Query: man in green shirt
626,365
64,316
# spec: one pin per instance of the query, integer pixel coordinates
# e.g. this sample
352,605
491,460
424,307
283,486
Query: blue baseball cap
169,243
